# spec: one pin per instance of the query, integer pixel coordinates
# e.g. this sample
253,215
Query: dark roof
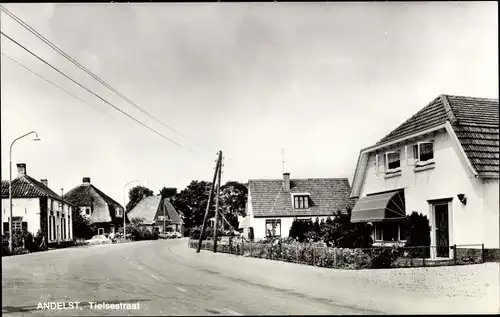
80,195
327,196
149,208
474,120
26,186
87,195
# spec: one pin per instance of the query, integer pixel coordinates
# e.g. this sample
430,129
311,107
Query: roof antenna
283,169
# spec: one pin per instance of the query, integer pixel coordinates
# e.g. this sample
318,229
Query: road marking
181,289
232,312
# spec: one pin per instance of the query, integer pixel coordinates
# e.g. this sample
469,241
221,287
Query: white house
443,162
273,204
36,208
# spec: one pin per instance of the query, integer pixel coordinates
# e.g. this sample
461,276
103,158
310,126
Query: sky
319,80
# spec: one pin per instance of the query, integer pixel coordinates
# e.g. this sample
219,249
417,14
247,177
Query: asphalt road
164,277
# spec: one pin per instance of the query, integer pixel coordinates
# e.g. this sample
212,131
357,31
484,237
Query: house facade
103,212
36,208
157,214
443,163
274,204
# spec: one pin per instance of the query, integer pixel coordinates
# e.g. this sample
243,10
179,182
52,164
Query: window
51,204
16,225
273,228
160,218
301,202
392,160
100,231
86,211
118,212
423,151
389,231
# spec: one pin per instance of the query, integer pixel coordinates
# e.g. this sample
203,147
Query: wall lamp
462,198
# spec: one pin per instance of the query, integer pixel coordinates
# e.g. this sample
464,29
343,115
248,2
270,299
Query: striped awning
380,207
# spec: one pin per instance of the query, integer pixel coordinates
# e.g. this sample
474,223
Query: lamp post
36,138
124,208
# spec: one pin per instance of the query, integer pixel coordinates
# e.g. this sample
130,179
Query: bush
384,257
353,259
418,234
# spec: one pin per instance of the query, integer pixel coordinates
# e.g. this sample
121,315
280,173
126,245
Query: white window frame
99,230
377,164
387,161
379,226
417,159
118,212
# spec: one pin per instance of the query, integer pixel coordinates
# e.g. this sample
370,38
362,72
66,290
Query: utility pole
208,203
217,202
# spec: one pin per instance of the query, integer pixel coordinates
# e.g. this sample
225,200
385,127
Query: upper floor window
118,212
423,151
393,160
85,210
300,201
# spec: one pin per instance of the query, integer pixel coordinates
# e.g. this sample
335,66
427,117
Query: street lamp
124,208
36,138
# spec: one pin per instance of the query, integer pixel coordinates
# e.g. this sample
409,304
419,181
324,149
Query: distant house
273,204
443,162
156,213
102,211
36,208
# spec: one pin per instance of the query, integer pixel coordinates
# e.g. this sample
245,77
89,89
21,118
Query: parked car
98,239
173,235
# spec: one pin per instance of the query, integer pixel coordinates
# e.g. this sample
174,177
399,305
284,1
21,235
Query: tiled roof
26,186
151,207
474,120
87,195
327,196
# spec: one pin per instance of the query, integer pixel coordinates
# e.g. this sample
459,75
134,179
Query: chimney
45,182
21,169
86,180
286,182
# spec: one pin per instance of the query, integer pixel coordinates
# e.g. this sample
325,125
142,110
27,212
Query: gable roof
26,186
149,208
327,196
474,121
85,195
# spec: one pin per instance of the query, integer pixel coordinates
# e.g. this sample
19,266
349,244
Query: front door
442,230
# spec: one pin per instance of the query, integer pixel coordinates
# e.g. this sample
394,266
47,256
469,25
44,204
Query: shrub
352,259
418,234
384,257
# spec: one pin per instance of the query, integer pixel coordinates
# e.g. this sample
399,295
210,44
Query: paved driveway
166,278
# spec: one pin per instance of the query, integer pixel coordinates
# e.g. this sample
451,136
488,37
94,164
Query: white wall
450,177
28,208
64,212
259,225
491,208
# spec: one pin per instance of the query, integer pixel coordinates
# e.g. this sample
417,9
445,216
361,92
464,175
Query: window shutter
411,153
24,226
5,227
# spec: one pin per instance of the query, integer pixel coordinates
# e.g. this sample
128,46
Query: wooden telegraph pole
217,202
208,203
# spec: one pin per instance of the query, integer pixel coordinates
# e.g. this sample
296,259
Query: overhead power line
95,94
56,85
72,60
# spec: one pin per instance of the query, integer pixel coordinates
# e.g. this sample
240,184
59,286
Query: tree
418,233
136,194
233,198
81,225
192,202
167,192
